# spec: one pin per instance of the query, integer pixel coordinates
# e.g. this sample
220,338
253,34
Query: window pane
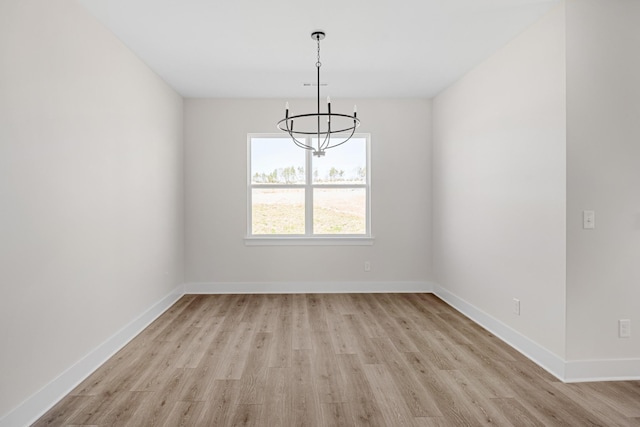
277,211
276,161
344,164
339,211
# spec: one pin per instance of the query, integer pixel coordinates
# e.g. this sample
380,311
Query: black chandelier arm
324,144
292,136
350,136
300,144
282,124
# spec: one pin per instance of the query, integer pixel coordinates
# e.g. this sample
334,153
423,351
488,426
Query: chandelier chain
318,63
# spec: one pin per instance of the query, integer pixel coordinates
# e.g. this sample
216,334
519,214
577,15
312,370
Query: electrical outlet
624,328
516,306
367,266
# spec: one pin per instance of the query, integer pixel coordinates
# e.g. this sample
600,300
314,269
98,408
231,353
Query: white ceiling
259,48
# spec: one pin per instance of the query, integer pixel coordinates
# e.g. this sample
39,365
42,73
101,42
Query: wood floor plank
336,415
341,336
89,412
268,322
194,351
447,355
196,383
226,304
623,396
234,312
277,406
254,376
330,360
463,329
327,376
158,403
236,354
160,369
220,406
392,329
218,343
247,415
119,372
183,414
412,308
306,405
417,399
361,400
455,411
422,312
479,405
254,308
168,317
301,333
175,330
61,413
371,327
600,407
517,414
203,377
432,422
390,400
114,409
316,313
544,401
491,385
364,348
280,352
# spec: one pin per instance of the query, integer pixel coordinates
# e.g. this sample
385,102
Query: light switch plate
588,219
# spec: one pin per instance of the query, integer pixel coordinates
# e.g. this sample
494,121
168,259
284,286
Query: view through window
293,193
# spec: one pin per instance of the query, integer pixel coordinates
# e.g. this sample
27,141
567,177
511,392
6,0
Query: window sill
308,241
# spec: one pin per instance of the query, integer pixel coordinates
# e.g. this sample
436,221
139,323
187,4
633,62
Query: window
294,196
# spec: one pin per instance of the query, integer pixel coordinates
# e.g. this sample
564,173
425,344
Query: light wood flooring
330,360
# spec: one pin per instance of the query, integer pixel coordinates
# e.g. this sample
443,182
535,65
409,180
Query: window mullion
249,189
308,192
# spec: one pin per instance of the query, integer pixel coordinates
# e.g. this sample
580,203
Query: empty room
293,213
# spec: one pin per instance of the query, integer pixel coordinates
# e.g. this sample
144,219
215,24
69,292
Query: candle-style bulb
328,100
286,105
355,109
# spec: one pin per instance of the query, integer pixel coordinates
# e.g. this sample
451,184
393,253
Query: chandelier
328,125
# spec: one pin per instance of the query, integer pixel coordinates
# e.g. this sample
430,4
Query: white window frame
308,238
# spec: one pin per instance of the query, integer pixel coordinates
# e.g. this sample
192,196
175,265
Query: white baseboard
602,370
549,361
306,287
566,371
569,371
43,400
39,403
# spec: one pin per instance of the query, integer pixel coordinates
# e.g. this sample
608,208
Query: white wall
603,174
216,158
91,223
499,184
